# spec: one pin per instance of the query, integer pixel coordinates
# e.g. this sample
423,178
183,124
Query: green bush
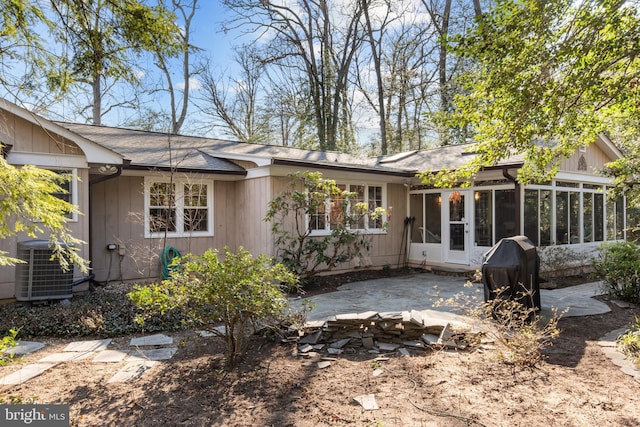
107,312
7,343
619,267
240,293
629,342
306,254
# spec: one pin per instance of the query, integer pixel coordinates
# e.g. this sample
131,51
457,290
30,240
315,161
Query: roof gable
94,153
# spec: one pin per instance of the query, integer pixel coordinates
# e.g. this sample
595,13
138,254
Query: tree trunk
378,69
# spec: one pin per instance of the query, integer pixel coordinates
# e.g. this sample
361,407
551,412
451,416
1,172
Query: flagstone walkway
143,354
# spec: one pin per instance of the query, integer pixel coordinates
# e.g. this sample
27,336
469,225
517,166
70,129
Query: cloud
194,84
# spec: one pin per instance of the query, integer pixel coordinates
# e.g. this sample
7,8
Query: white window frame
73,189
366,229
179,207
554,187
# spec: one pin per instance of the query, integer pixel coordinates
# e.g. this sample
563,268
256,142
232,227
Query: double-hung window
178,207
69,190
329,214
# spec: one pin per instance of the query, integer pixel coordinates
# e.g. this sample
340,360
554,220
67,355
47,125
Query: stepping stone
84,346
305,348
25,347
110,356
367,342
311,338
206,334
383,346
340,343
66,356
157,339
313,324
367,401
26,373
324,364
153,354
622,304
132,371
445,335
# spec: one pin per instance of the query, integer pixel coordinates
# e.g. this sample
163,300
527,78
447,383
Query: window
69,191
494,215
179,208
581,214
328,214
417,212
483,217
567,217
615,219
537,216
433,213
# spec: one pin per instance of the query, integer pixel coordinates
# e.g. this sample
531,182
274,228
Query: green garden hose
168,255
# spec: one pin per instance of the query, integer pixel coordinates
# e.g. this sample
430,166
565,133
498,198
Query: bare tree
235,104
315,39
179,93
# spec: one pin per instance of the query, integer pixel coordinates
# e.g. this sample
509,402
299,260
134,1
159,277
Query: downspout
516,186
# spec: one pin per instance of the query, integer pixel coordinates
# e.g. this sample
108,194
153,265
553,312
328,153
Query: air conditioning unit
41,278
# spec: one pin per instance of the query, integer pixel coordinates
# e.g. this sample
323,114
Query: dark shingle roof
150,149
434,159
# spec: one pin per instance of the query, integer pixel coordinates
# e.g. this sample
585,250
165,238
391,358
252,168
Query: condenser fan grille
40,277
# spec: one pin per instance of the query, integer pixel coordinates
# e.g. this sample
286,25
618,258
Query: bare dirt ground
577,385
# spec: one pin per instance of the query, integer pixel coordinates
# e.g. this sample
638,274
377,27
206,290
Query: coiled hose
168,255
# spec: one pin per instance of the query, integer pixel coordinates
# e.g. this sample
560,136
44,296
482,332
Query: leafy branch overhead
28,204
549,76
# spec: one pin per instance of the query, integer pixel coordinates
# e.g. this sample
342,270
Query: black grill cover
512,263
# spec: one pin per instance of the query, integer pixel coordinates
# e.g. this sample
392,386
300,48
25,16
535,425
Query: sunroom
458,225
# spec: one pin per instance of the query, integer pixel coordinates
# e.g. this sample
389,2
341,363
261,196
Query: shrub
288,213
618,264
241,293
7,343
107,312
519,331
629,342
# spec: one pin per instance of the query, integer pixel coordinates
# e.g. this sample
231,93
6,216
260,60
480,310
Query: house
140,192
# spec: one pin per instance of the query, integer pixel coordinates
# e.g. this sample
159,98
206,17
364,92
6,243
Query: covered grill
513,264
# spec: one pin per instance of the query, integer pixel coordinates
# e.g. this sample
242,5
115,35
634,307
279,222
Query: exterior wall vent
39,277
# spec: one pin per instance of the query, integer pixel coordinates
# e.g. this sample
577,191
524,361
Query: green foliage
7,343
297,248
618,264
28,205
557,261
107,312
549,76
13,399
629,342
105,33
520,332
240,292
